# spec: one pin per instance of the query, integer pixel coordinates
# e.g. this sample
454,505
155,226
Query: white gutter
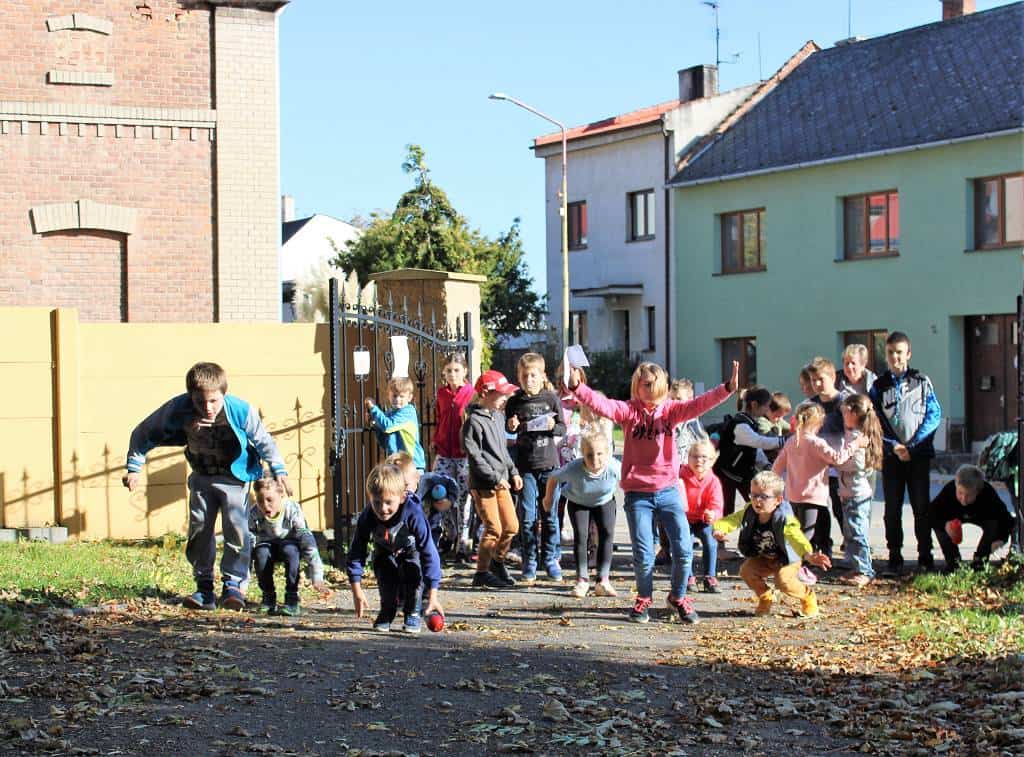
840,159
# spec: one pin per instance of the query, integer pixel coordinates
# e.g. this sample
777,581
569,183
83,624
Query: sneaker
528,577
711,585
684,607
808,606
691,582
554,571
806,576
925,565
639,612
412,623
486,579
662,558
855,579
267,608
764,603
232,599
291,609
382,624
895,565
200,600
581,589
605,589
499,570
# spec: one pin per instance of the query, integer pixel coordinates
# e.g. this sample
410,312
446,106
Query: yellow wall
100,380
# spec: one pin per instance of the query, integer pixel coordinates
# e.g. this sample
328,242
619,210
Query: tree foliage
425,231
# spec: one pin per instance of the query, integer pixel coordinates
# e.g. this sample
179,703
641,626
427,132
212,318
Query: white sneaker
605,589
581,589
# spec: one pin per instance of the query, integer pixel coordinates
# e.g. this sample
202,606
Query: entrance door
991,374
621,331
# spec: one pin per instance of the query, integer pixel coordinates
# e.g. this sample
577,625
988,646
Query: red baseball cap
494,381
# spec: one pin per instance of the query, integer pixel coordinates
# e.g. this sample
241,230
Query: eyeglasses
762,497
700,457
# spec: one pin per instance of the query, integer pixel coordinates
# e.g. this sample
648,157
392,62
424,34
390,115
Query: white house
306,247
619,235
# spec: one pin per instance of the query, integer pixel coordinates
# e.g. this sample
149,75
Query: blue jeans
709,547
667,504
856,530
534,484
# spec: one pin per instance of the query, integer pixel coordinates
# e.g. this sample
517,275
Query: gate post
1017,541
337,433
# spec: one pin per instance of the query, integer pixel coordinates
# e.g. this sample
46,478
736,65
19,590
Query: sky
360,81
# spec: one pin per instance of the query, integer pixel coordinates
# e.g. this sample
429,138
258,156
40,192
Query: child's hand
359,602
130,481
819,559
719,536
283,480
551,422
321,588
733,383
575,377
517,483
513,423
709,517
368,403
502,485
902,452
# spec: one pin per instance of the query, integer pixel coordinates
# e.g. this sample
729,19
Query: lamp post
564,211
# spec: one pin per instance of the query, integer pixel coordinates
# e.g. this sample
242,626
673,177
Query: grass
966,613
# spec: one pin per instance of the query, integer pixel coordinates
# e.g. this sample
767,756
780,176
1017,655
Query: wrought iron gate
357,327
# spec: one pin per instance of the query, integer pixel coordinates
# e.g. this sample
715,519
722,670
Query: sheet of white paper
361,363
400,350
566,368
576,356
540,423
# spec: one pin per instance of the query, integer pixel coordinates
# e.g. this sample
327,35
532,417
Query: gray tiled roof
932,83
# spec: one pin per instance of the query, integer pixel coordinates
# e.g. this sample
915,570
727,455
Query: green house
878,186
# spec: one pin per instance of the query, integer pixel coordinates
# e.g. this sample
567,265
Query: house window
578,328
743,350
871,225
743,241
999,211
650,329
640,209
578,225
874,340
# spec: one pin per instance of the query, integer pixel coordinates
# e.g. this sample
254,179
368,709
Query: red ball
435,622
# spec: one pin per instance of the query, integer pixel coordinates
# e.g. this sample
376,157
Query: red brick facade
136,131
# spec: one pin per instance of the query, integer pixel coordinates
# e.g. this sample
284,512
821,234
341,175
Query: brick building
139,158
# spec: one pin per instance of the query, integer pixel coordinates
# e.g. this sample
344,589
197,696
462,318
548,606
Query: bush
610,372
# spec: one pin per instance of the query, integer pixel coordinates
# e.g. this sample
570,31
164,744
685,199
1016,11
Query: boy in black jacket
534,414
738,444
969,498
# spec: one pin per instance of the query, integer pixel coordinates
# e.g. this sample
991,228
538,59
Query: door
620,320
991,374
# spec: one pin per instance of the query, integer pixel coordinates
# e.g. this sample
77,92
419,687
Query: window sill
860,258
1017,246
647,238
760,269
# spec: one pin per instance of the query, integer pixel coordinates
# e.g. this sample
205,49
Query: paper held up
540,423
400,351
574,357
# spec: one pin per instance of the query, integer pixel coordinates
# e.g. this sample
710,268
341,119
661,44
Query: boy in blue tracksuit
909,412
225,442
398,429
405,560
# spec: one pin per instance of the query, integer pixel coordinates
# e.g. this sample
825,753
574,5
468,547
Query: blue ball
439,492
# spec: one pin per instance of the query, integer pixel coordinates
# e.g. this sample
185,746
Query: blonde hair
206,377
587,414
400,386
385,479
821,365
267,482
592,438
703,443
856,350
807,414
970,477
679,386
769,482
862,409
660,389
400,460
531,360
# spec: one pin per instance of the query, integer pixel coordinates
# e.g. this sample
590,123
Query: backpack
998,459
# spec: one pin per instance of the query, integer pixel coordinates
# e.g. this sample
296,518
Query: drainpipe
667,137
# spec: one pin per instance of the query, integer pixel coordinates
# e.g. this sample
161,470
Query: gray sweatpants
207,495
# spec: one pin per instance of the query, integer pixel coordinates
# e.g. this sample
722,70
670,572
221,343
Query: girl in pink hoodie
650,475
804,462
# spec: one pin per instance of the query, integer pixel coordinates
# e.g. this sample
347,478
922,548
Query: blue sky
359,81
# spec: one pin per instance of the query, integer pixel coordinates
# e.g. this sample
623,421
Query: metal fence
356,327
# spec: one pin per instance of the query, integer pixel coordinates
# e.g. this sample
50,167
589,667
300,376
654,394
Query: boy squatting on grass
225,442
280,535
405,560
774,544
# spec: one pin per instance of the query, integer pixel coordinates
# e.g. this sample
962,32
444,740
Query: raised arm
680,411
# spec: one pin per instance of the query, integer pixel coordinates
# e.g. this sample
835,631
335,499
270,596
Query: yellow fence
71,393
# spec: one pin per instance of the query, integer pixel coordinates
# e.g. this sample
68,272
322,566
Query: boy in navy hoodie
405,560
224,443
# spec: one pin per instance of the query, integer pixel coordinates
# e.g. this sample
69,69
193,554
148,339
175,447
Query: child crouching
774,544
280,536
404,557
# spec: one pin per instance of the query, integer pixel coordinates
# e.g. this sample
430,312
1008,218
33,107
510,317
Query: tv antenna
713,5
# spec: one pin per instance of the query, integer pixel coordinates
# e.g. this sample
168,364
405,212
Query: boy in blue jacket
405,560
398,429
225,442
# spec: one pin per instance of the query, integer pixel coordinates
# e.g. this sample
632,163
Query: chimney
696,82
956,8
287,208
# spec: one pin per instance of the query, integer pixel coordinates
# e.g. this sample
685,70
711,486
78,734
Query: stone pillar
446,295
247,184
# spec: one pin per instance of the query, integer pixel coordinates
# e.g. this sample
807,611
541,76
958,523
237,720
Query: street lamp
564,211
